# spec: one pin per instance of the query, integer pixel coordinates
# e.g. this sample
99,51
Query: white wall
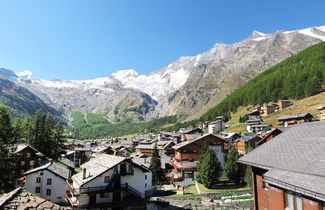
137,180
31,184
58,186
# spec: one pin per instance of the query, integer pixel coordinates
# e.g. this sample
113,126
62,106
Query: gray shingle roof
293,116
301,182
178,146
54,167
96,166
300,149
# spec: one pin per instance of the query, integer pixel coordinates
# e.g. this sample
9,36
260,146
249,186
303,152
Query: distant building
321,110
250,123
269,135
255,114
48,181
293,119
283,104
288,171
267,109
260,128
28,157
216,126
244,142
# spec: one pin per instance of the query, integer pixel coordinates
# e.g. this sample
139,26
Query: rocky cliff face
187,87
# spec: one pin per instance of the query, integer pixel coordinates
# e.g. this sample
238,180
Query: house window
22,171
48,191
31,163
189,175
145,185
28,155
106,179
37,190
145,177
293,201
130,168
289,201
22,163
49,181
38,179
104,195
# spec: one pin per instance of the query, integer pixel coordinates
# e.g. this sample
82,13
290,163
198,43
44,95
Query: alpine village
240,126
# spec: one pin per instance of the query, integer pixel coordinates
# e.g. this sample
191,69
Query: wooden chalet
293,119
188,153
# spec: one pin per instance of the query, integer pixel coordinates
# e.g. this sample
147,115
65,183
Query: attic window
106,179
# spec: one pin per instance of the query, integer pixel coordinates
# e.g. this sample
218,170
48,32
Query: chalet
28,157
269,135
164,148
190,134
293,119
79,155
188,153
283,104
170,136
121,150
260,128
48,181
216,126
19,198
321,110
230,137
288,172
250,123
244,142
109,181
253,115
67,163
267,109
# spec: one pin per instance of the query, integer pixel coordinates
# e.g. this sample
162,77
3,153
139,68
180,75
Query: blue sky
86,39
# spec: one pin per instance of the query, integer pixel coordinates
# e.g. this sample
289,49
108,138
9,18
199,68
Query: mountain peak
125,74
24,75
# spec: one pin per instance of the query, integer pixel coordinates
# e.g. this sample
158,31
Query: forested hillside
297,77
97,126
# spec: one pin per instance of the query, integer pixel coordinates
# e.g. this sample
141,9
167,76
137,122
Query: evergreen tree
209,170
248,171
155,166
17,131
234,170
58,140
7,147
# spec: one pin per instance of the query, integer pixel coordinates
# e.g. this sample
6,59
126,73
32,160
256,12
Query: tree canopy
209,169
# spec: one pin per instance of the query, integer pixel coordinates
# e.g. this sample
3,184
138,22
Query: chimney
84,173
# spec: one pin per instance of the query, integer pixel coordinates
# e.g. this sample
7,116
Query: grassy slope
300,106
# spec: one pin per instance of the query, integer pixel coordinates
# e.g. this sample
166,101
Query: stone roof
293,116
96,166
299,149
22,146
54,167
178,146
260,125
67,162
20,199
302,183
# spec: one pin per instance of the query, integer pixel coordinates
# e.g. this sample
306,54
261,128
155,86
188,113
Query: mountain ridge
186,87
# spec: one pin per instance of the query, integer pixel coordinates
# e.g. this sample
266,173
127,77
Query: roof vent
84,173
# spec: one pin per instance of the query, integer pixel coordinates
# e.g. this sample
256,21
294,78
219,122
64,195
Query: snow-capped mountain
188,86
